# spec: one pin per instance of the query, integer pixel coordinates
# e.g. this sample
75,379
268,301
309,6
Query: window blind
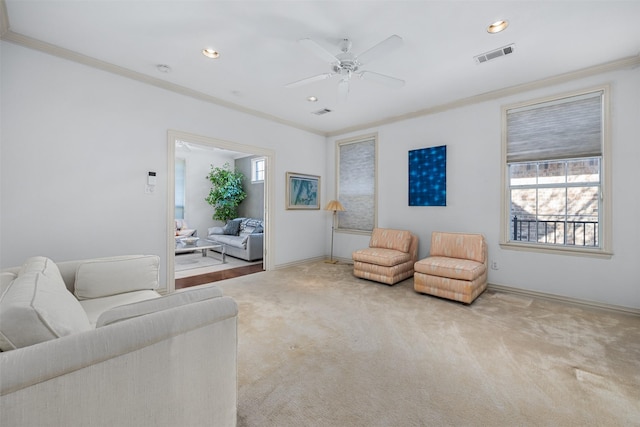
357,185
181,168
561,129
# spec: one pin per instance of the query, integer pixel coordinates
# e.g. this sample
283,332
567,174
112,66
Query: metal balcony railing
571,233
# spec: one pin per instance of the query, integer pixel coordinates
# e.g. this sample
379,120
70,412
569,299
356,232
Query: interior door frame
268,154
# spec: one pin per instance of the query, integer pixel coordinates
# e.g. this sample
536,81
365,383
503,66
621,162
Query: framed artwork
428,176
303,191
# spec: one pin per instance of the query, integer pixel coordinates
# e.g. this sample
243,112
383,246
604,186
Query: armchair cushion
110,276
458,245
453,268
383,257
387,238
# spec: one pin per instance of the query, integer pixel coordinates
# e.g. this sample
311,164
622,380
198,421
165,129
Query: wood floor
217,275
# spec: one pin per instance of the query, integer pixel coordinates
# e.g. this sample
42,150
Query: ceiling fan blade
381,49
309,80
381,78
343,90
318,50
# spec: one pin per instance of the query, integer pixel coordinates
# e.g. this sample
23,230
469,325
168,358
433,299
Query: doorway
197,144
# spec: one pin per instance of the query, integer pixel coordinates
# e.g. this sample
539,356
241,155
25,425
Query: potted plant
226,192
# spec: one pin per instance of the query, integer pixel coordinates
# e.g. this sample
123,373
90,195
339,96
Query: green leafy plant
226,192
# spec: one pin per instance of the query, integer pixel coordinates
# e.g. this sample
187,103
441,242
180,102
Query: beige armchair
389,258
455,269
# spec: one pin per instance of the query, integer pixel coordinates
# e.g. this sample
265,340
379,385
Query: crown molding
620,64
32,43
70,55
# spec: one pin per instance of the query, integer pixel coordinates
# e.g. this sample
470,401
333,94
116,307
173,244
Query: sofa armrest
255,244
215,230
133,372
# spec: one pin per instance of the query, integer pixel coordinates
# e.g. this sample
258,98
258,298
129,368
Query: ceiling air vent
321,112
488,56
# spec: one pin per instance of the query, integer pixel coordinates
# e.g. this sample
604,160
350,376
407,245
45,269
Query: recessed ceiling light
210,53
497,26
312,99
163,68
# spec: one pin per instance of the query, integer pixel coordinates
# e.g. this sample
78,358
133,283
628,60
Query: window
181,167
356,182
257,169
555,159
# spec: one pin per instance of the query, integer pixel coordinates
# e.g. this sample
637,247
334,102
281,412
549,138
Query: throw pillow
233,227
35,308
40,264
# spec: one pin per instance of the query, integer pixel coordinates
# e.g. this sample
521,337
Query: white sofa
92,343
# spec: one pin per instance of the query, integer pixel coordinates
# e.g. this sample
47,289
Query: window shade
181,168
561,129
357,185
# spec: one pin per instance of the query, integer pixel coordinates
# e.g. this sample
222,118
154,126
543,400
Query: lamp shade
334,205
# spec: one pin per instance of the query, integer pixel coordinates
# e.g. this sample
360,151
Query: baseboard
568,300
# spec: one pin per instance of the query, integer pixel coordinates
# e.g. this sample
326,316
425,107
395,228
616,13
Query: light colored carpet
319,347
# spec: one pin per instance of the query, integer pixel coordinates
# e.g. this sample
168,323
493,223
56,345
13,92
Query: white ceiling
260,53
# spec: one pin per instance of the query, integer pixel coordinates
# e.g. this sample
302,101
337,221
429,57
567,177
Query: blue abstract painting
428,176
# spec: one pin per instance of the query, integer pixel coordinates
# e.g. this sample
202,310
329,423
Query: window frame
605,218
254,171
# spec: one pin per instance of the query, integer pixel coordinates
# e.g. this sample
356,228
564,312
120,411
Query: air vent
494,54
321,112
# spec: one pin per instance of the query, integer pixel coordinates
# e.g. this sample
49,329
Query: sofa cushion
36,308
110,276
176,299
234,241
96,306
387,238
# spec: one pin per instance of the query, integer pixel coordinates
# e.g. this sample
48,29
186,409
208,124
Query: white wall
472,135
76,147
77,144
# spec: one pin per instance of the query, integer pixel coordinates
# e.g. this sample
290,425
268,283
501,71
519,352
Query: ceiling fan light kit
346,64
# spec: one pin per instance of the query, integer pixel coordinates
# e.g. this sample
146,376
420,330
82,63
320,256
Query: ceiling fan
346,64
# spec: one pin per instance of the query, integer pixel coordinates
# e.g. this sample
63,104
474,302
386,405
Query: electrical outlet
494,265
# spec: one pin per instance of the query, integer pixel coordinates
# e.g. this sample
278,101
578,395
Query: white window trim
605,250
253,169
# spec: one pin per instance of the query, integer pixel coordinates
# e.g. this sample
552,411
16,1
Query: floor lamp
334,206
